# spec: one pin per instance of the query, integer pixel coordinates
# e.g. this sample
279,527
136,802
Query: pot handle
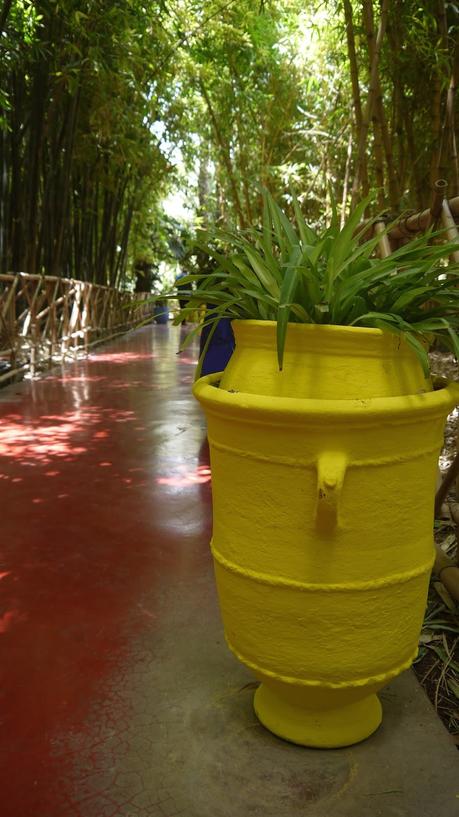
331,468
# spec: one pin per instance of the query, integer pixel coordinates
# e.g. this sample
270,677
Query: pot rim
326,327
266,409
363,341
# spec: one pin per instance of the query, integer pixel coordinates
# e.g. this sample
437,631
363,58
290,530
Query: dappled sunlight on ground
184,476
51,437
121,357
81,378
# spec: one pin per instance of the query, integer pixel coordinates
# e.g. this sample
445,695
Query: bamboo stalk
417,222
225,154
368,112
377,107
440,191
450,117
10,374
85,315
25,276
356,97
353,64
384,247
452,232
9,301
438,131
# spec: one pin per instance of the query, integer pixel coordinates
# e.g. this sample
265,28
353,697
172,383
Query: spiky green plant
288,272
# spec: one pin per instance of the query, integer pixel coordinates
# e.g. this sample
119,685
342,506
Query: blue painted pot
161,313
220,348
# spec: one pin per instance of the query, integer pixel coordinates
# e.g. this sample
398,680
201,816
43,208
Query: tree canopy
105,107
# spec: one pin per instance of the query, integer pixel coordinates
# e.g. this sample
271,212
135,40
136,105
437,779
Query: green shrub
287,271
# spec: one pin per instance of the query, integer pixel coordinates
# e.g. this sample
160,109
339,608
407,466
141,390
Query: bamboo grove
105,107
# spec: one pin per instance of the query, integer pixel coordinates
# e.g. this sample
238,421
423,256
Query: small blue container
220,348
161,313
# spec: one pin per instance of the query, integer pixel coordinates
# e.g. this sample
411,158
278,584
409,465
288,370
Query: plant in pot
324,434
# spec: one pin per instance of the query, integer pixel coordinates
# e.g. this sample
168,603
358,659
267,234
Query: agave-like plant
288,272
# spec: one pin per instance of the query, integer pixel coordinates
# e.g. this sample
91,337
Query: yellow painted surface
322,361
322,544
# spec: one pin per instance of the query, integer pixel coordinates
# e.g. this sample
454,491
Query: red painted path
105,491
118,697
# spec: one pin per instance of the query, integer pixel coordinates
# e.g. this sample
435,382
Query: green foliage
288,272
246,97
81,92
270,97
105,106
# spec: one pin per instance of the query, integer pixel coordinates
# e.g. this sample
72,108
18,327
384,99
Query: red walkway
118,696
104,492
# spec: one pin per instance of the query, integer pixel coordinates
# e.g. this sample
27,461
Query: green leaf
453,686
287,294
306,234
278,231
454,342
409,296
301,313
420,351
205,348
343,244
265,275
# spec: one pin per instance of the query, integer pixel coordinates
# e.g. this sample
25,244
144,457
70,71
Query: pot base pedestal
320,727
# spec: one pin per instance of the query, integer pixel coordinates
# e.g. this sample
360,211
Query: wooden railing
44,319
442,214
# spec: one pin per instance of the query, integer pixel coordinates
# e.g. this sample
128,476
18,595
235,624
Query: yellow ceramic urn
322,565
329,362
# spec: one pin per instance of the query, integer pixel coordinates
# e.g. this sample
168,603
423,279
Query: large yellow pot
322,361
322,544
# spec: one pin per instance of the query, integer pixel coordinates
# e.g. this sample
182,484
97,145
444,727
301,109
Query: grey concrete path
197,750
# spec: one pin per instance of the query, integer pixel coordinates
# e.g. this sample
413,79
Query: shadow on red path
105,489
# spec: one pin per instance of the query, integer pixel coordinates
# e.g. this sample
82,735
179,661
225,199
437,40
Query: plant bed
437,666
